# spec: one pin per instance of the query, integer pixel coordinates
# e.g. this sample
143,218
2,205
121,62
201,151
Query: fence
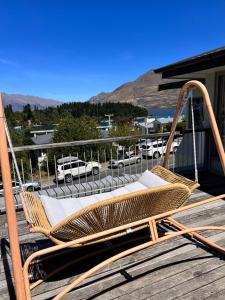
81,168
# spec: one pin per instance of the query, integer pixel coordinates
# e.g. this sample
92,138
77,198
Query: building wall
184,157
211,153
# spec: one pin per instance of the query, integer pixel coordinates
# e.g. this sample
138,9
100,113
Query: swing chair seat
157,191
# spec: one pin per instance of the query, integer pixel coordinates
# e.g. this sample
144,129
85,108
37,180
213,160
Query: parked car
156,149
67,170
28,185
125,160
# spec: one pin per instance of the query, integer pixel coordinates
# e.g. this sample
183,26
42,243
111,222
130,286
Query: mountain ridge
143,91
18,101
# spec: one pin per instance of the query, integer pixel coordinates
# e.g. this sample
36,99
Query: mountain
142,92
18,101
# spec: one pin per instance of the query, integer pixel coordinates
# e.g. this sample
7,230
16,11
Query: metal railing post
10,211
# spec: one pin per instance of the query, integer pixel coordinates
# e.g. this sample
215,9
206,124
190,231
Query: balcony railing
81,168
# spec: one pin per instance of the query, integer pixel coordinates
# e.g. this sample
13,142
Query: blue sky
74,49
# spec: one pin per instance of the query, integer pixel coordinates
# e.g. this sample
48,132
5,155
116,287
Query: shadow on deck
180,268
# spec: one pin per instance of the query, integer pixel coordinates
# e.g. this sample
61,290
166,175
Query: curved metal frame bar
11,216
183,93
135,249
152,221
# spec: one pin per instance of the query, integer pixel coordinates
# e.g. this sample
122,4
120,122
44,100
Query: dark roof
43,127
42,139
206,60
176,84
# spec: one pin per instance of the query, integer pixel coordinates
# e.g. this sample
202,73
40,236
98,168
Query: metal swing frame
21,274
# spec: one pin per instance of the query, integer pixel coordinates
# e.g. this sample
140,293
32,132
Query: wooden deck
177,269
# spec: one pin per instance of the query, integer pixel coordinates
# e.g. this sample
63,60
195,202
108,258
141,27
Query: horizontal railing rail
108,163
89,142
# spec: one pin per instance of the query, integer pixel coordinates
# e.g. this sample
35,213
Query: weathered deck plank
152,273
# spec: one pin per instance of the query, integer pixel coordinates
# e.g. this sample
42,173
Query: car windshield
120,157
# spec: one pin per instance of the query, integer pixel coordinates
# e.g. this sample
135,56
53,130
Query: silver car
29,186
125,160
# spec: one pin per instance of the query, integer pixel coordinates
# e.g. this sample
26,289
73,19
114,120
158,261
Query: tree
125,130
75,129
10,116
21,138
71,129
27,113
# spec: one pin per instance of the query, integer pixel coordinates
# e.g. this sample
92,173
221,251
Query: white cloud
6,62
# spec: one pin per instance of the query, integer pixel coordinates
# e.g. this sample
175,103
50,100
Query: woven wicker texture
121,210
174,178
113,212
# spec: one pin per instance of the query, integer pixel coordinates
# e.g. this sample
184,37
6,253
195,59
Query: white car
76,168
158,148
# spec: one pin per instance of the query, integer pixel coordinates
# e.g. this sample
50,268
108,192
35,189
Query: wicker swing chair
110,213
124,214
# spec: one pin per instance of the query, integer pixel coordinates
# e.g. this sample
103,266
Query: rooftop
42,138
207,60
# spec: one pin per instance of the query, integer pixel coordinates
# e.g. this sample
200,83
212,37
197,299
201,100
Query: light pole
109,116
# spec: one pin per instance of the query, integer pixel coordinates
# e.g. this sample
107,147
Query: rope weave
16,167
194,137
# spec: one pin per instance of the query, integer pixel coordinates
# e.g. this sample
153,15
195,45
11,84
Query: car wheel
156,154
68,178
138,161
175,149
30,189
120,165
95,171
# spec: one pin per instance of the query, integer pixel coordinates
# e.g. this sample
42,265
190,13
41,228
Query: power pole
109,116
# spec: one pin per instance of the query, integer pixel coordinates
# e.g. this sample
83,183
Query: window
67,167
157,145
74,165
82,164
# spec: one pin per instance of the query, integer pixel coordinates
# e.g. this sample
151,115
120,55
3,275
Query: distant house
105,125
39,130
40,139
42,135
143,120
209,68
146,124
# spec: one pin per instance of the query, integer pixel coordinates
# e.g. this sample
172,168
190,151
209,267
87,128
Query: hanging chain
16,167
193,134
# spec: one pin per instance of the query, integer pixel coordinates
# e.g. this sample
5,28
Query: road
107,171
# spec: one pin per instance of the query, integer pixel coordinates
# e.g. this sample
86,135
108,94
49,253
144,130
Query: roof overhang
204,61
176,84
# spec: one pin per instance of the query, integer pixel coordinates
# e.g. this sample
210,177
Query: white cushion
135,187
54,211
104,196
151,180
58,210
72,205
119,192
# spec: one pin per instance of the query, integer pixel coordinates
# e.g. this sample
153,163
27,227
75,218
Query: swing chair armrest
172,177
34,213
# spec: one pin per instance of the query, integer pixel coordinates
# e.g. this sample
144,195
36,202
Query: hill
18,101
142,92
